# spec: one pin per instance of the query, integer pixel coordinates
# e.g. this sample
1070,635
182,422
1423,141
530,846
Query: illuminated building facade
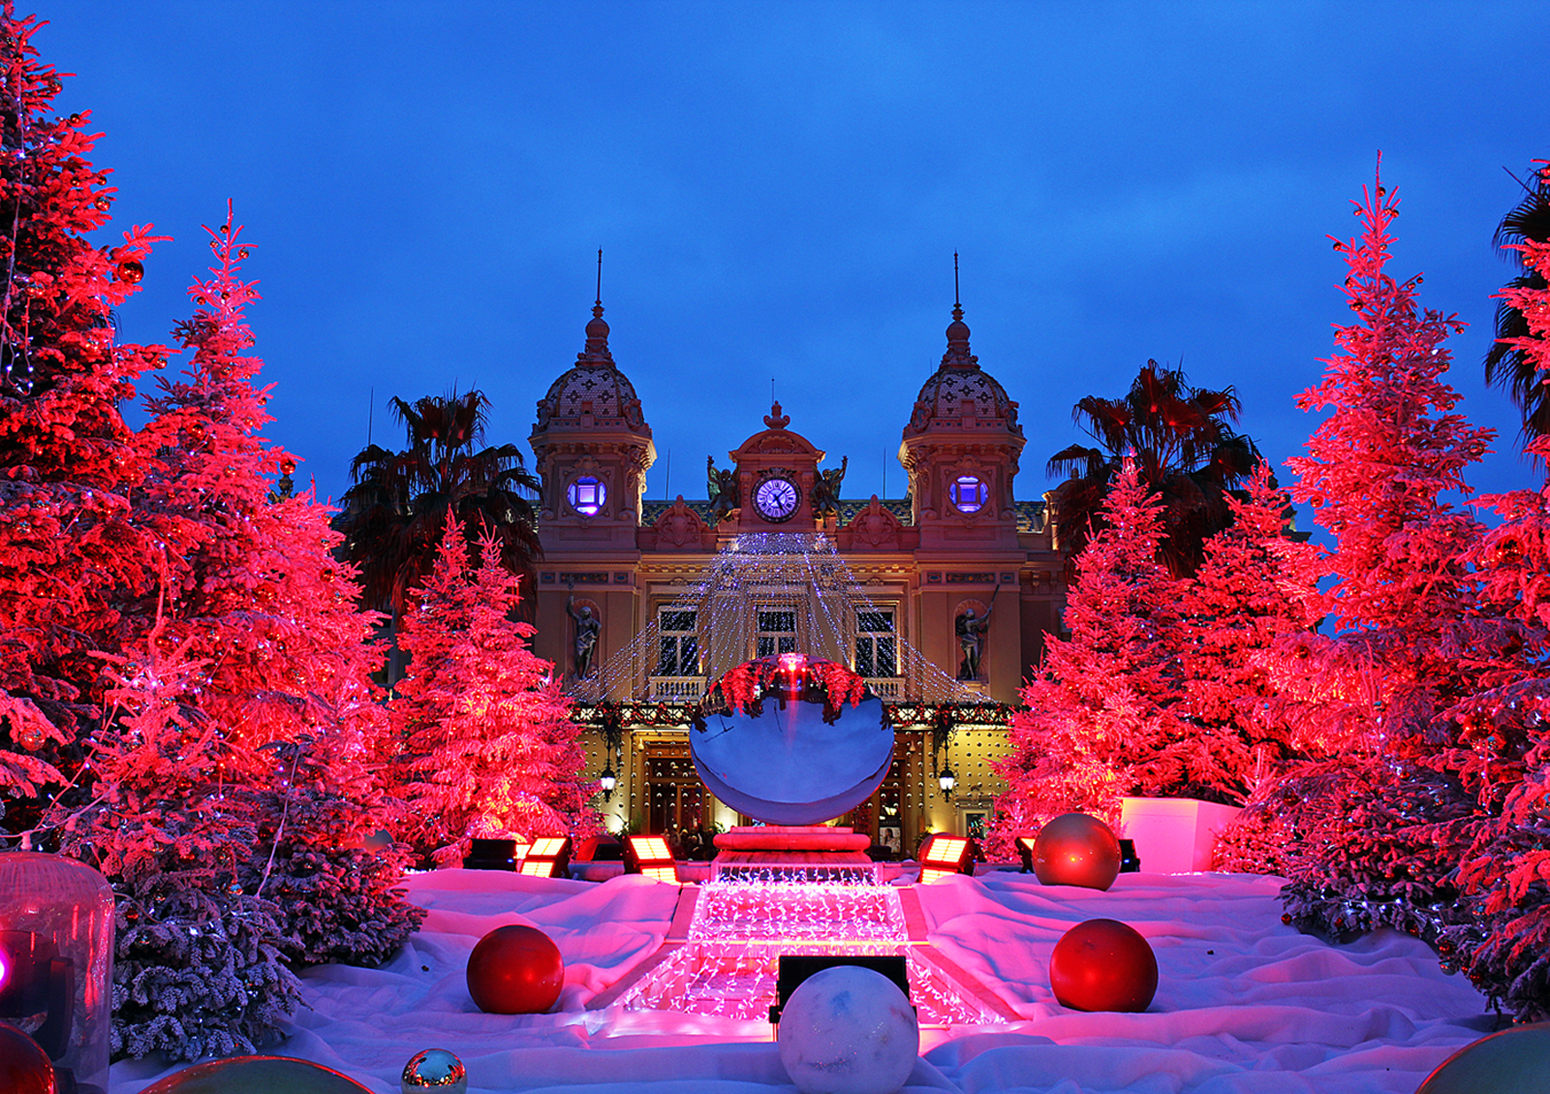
947,592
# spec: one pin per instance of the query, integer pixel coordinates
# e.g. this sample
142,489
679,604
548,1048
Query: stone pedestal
1173,835
776,853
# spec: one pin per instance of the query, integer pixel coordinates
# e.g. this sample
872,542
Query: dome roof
961,395
594,387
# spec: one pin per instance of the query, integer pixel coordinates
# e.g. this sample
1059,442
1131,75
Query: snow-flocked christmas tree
489,750
69,548
1104,716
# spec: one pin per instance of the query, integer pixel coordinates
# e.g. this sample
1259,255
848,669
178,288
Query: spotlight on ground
548,857
943,855
650,856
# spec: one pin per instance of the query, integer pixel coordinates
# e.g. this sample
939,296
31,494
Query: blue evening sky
779,189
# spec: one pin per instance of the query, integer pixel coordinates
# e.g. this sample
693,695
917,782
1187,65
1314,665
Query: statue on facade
721,488
587,628
826,489
971,628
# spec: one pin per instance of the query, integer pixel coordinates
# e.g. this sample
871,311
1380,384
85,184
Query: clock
776,499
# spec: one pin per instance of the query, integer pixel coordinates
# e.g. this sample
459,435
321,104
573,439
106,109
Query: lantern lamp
608,780
651,856
943,855
549,856
947,780
56,962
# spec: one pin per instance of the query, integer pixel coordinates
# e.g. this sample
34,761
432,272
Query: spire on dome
596,350
958,355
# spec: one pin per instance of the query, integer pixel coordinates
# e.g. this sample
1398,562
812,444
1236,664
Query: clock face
776,499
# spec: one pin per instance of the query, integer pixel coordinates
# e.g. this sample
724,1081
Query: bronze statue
826,489
971,628
587,627
721,488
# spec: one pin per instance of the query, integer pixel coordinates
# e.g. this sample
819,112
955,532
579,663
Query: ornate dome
961,395
595,387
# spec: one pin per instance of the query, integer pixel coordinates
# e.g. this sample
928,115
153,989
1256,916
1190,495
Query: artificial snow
1244,1004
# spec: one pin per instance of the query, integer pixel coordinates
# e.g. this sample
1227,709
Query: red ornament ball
130,271
515,970
1103,964
24,1067
1075,849
1514,1061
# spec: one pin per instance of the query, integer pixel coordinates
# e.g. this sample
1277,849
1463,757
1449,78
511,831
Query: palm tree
1507,366
1186,452
393,516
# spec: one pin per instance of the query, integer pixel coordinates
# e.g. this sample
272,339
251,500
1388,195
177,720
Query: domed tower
960,449
593,447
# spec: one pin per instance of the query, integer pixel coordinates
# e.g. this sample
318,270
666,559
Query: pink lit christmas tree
1409,642
197,969
1256,586
1503,750
256,598
489,750
1104,717
69,548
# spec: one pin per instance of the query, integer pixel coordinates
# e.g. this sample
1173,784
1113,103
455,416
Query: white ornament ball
434,1069
848,1030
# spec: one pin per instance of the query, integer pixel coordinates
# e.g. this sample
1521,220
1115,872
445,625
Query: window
876,644
679,653
968,493
777,632
587,495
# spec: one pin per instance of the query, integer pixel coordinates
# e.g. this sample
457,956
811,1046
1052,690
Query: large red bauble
1075,849
1514,1061
24,1067
1103,964
515,970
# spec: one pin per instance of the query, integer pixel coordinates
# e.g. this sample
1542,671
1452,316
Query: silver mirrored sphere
434,1069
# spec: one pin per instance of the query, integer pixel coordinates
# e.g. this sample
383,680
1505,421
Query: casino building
942,601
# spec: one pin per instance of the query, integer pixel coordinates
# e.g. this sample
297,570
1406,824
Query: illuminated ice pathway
727,955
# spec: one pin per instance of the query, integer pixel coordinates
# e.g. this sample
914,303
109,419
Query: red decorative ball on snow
1103,964
1514,1061
1075,849
24,1067
515,970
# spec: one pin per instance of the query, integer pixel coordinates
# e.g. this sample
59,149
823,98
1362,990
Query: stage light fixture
651,857
943,855
1025,852
548,857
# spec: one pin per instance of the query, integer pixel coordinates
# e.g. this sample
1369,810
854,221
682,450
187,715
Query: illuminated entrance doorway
676,800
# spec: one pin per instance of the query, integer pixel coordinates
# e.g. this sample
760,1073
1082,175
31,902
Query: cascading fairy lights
728,966
764,572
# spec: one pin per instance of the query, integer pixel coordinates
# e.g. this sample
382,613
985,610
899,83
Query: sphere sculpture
515,970
434,1069
1075,849
848,1030
1514,1061
256,1075
783,747
1103,964
24,1067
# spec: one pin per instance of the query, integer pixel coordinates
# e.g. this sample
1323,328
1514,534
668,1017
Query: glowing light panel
942,856
549,856
650,856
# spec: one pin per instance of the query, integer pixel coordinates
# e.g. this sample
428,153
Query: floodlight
548,857
492,854
651,857
943,855
1025,852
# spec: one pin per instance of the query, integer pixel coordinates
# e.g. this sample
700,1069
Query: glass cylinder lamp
56,962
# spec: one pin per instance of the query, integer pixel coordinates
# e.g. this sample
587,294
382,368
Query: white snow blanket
1245,1005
